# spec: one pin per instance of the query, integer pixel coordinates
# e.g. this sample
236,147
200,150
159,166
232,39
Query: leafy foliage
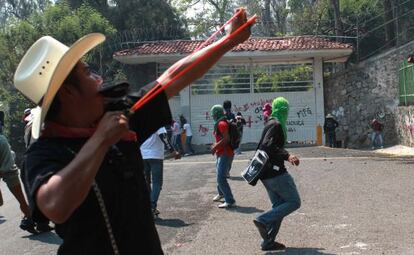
59,21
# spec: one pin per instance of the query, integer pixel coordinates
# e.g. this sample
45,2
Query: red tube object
158,88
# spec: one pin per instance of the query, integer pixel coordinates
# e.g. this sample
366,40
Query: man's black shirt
121,181
272,142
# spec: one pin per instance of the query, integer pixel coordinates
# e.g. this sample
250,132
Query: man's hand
213,148
239,21
177,155
112,127
293,160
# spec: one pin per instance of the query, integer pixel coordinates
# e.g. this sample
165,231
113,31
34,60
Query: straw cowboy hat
44,68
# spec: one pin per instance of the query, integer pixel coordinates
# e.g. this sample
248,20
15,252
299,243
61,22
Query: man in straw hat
84,172
329,128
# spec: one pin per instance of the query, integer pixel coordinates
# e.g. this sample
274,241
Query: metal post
357,38
396,16
405,93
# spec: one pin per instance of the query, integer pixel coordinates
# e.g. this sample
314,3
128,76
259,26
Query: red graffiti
410,128
203,130
246,106
249,121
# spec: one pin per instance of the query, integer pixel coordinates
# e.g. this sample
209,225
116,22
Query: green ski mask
217,112
280,110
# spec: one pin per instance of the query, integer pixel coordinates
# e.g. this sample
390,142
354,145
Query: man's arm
166,142
56,197
199,70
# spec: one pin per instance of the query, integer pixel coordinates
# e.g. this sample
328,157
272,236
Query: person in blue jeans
188,136
278,183
152,151
224,153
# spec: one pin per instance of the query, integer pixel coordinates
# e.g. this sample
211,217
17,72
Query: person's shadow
236,178
2,220
245,209
296,251
47,237
174,223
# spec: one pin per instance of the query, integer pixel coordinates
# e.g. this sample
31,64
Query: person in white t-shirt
152,151
188,136
176,137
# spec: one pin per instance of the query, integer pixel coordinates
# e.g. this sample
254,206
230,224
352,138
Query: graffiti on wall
253,114
339,113
203,130
409,124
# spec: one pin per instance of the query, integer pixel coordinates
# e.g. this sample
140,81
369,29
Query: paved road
353,202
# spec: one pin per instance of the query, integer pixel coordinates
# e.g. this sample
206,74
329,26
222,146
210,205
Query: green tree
59,21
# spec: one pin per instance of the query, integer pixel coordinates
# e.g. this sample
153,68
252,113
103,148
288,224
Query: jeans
177,143
223,164
331,138
377,139
188,147
153,169
285,199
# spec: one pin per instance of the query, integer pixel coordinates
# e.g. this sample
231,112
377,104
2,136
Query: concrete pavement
353,202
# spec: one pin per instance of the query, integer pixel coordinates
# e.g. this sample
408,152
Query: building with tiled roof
262,49
250,75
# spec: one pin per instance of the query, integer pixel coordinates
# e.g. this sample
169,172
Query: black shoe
274,246
262,229
28,225
43,227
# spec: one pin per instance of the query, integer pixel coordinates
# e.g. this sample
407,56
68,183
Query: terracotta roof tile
253,44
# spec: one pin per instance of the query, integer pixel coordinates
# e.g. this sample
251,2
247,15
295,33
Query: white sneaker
226,205
217,198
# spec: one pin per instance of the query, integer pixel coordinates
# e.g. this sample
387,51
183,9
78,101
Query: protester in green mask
279,185
224,153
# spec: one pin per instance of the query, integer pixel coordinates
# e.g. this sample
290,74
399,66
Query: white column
185,103
319,98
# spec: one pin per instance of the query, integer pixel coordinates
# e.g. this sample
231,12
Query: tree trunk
389,23
339,31
267,19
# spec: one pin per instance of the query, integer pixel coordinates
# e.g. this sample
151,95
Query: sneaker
217,198
382,147
28,225
373,148
43,227
274,246
262,229
226,205
155,211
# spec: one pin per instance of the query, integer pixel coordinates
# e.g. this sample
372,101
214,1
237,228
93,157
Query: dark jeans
188,147
223,164
177,143
153,169
285,199
331,138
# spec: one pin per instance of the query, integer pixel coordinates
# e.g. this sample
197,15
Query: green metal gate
407,84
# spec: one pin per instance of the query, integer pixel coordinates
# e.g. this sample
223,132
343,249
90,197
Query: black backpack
234,133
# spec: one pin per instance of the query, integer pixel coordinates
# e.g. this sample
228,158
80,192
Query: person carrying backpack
224,153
